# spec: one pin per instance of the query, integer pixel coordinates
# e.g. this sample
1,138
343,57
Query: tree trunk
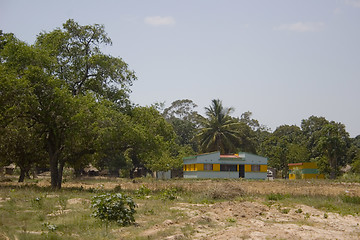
54,161
54,174
132,173
22,175
60,173
333,167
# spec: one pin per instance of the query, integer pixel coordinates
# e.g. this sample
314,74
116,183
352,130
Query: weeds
285,210
350,199
299,210
275,197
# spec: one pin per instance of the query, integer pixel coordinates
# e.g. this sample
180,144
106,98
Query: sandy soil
251,220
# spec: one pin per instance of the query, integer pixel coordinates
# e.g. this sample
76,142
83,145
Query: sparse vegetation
171,208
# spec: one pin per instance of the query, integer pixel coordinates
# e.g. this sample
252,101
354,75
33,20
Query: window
255,168
228,168
208,167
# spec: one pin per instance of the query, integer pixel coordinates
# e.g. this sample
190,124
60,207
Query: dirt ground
251,220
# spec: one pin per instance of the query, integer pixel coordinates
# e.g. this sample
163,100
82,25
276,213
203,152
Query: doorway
241,171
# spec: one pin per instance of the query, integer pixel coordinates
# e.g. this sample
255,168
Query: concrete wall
211,174
253,159
163,175
255,175
204,158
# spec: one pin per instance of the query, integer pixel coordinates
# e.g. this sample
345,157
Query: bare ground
251,220
244,219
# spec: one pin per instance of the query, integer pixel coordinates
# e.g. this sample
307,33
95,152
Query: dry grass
201,209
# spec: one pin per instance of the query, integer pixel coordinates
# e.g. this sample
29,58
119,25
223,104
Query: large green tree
81,64
68,80
181,114
284,146
333,143
219,131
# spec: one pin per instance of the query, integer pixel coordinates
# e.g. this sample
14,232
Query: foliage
59,89
142,191
218,132
169,194
115,207
333,144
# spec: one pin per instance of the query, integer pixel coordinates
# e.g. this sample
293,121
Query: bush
115,207
169,194
275,196
142,192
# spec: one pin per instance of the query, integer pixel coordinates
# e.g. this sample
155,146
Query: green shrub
114,207
142,191
275,196
285,210
299,210
169,194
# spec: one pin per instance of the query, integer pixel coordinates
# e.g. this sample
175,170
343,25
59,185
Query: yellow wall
199,167
307,176
309,165
216,167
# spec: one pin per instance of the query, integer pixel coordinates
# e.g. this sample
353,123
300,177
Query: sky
283,60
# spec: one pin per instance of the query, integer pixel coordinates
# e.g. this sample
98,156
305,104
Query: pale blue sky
283,60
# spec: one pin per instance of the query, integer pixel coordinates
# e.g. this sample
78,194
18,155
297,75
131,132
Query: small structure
91,170
214,165
9,170
304,170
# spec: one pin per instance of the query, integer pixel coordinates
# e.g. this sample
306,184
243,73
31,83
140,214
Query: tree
20,144
184,119
82,65
218,132
311,129
333,143
69,79
276,149
155,147
284,146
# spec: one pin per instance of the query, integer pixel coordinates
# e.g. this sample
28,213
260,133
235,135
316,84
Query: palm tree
219,131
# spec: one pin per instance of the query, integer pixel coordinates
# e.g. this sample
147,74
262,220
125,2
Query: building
304,170
214,165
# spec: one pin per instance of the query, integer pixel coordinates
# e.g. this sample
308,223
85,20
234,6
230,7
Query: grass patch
350,199
276,196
